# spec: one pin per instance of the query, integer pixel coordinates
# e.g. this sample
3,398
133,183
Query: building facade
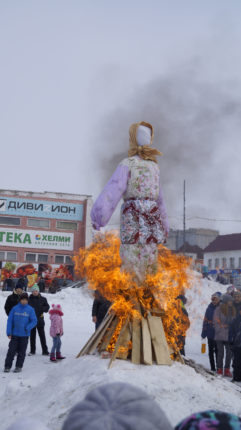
40,232
200,237
223,256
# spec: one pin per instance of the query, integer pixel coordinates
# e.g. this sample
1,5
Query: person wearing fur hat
21,320
208,329
56,331
118,406
222,319
144,222
41,306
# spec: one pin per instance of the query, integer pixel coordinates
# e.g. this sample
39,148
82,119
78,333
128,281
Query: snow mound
46,391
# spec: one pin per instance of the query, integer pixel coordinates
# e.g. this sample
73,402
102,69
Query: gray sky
75,74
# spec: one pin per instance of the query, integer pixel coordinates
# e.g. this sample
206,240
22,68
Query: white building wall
222,254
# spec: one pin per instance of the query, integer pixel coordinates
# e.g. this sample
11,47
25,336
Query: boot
220,372
59,356
52,357
227,373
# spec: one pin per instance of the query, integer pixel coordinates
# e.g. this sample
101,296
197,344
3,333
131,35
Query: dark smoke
195,123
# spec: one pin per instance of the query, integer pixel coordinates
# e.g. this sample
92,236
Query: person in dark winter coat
22,283
235,343
40,305
99,309
237,300
13,300
183,322
41,284
223,317
208,329
8,284
21,320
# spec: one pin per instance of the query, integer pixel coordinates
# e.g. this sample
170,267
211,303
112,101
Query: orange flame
100,264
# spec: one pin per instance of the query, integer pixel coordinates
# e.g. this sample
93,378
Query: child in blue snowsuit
21,320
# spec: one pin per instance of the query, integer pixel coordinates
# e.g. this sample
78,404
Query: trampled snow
46,391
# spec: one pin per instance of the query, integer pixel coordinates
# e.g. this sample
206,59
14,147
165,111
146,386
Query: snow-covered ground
46,391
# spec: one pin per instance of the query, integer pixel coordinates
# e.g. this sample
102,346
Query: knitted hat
217,294
56,309
24,296
35,287
117,406
210,420
225,298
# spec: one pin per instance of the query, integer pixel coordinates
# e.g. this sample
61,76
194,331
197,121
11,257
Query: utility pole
184,217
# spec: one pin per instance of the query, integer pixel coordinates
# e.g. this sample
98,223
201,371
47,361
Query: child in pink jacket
56,331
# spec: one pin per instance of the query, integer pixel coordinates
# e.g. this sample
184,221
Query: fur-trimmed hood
56,309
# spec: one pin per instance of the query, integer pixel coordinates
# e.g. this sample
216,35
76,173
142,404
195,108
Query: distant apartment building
200,237
223,255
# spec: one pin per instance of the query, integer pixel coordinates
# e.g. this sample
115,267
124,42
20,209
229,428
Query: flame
100,264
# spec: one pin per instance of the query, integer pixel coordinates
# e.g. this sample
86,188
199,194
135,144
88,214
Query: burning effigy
136,273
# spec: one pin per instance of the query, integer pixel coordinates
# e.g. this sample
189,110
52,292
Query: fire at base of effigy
145,321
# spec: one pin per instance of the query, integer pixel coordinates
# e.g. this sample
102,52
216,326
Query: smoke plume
197,127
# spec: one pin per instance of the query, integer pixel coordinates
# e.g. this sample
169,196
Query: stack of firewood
141,339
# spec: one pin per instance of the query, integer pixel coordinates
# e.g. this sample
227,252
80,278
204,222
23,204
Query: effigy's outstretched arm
163,212
108,199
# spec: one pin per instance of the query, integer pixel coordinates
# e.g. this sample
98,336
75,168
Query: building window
42,258
224,262
68,260
2,256
30,258
66,225
216,262
59,259
6,220
11,256
210,263
34,222
231,262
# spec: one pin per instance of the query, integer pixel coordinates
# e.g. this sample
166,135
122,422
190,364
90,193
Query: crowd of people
26,318
222,328
11,283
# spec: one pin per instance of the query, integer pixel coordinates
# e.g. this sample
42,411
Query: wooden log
159,341
136,341
118,343
96,335
108,335
146,339
100,336
124,344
